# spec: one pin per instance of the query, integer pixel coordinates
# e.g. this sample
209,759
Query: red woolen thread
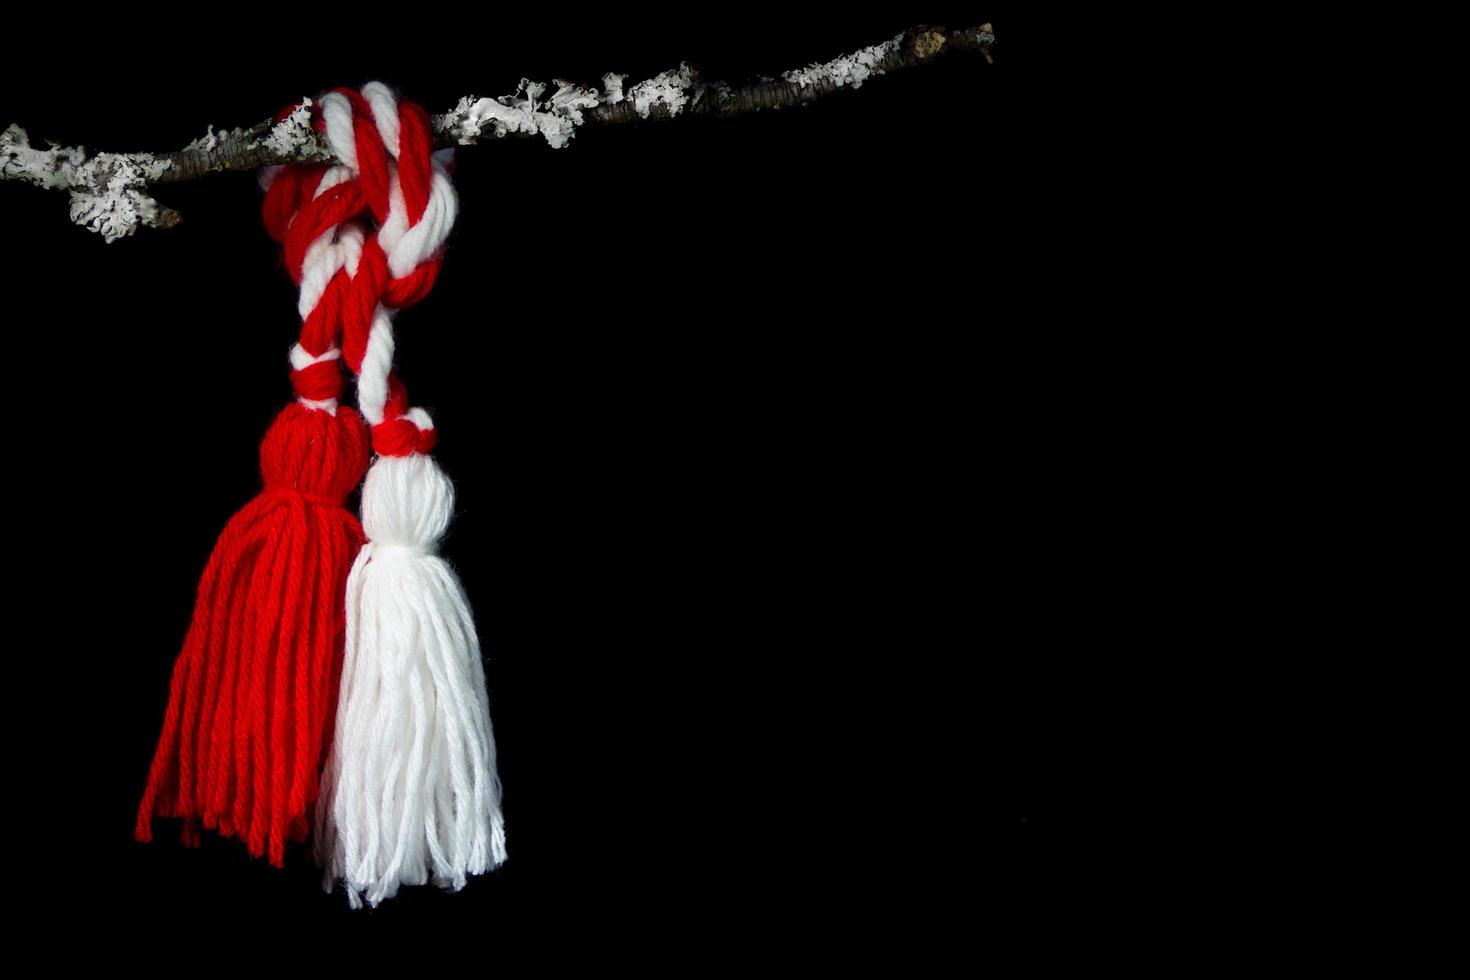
253,693
395,435
252,698
254,686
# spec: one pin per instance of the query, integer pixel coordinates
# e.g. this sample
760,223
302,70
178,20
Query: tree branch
109,190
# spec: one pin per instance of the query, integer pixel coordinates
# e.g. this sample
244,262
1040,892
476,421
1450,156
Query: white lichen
206,142
292,134
119,205
108,192
212,141
569,100
850,69
612,87
53,168
670,89
555,118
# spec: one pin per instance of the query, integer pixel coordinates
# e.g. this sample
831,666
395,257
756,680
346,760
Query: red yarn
396,435
252,700
253,695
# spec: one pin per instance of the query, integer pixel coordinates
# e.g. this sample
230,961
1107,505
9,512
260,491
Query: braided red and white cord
410,792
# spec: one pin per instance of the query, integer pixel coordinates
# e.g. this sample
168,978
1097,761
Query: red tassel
253,696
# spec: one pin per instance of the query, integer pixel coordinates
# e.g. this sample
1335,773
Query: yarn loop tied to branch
363,238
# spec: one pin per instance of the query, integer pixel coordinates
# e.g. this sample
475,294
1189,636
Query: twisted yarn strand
410,792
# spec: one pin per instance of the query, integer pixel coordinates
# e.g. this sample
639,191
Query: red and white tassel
322,670
410,793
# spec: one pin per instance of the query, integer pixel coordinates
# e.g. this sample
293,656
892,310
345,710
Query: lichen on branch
109,191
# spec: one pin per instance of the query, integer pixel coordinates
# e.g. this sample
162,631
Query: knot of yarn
317,454
381,550
316,378
363,238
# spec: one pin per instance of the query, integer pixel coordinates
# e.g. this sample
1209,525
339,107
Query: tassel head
407,501
318,454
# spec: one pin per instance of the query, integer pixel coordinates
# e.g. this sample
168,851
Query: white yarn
301,359
410,792
385,113
377,363
337,114
337,248
407,247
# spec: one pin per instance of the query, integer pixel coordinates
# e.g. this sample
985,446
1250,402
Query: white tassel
410,791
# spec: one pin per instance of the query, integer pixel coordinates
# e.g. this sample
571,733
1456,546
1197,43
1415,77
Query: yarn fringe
410,793
253,691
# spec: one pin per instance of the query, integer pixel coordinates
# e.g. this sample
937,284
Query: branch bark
109,190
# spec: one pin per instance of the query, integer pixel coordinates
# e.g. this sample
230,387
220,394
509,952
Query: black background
770,489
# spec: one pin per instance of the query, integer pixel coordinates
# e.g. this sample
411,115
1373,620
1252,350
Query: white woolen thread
385,113
324,258
410,793
377,363
329,251
337,114
301,359
407,246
